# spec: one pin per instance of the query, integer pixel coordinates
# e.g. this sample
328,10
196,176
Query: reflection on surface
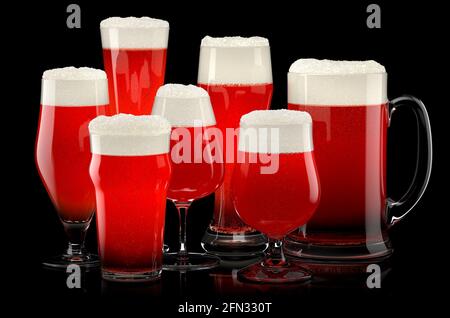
220,283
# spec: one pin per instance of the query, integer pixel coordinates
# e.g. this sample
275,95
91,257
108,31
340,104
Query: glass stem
76,234
182,208
275,254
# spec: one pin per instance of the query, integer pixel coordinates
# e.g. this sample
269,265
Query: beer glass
70,98
130,169
134,55
197,161
237,74
275,170
351,114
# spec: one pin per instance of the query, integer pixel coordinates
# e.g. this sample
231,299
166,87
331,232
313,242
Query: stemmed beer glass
197,161
70,98
275,186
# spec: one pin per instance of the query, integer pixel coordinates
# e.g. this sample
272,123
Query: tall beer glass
351,115
70,98
276,170
197,161
130,169
134,54
237,74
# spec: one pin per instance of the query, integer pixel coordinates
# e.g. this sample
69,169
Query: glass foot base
229,245
85,261
189,262
131,277
258,273
337,252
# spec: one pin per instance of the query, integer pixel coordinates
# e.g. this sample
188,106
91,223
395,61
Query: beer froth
72,86
129,135
235,61
132,32
184,105
337,83
276,131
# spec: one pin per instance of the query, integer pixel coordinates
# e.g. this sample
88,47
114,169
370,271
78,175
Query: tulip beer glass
275,171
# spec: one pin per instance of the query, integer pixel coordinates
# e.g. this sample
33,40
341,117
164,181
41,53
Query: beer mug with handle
351,116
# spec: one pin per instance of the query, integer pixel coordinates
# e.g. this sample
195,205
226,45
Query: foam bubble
181,91
330,67
234,41
72,86
276,131
74,73
129,135
133,22
134,33
337,83
235,61
184,105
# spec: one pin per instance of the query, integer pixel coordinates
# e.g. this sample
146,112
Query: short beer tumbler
130,169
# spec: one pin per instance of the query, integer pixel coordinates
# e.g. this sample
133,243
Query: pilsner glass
197,161
351,113
130,169
134,55
71,97
237,74
275,172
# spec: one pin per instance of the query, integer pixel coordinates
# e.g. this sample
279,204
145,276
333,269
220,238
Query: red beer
201,175
130,169
265,201
343,144
134,56
230,102
237,74
131,210
63,156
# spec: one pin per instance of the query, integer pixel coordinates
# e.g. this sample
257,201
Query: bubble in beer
276,131
129,135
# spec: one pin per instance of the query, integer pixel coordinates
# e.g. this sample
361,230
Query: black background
410,44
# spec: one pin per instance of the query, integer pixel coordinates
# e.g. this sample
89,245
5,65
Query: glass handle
423,161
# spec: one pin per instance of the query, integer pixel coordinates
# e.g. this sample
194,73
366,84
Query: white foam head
235,60
337,83
129,135
184,105
72,86
276,131
134,33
